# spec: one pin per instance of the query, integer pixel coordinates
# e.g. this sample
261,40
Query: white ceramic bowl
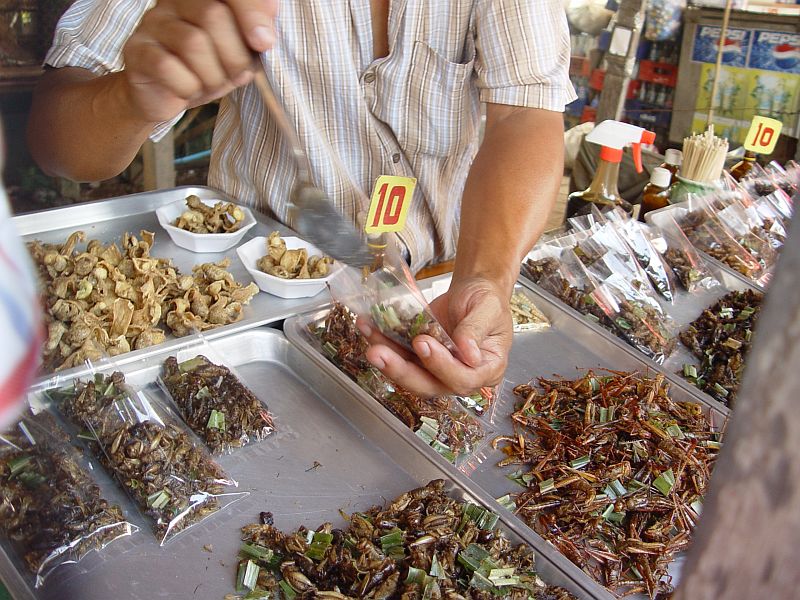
201,242
250,252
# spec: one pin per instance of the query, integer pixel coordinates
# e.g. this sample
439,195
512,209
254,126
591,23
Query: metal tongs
313,215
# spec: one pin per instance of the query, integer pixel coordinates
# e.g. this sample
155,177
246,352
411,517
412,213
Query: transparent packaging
689,268
213,401
52,513
162,467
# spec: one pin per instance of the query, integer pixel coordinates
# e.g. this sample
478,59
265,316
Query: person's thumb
472,329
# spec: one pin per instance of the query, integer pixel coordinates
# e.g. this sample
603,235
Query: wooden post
746,542
630,15
159,163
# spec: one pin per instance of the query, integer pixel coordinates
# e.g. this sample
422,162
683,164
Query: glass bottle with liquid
740,170
656,193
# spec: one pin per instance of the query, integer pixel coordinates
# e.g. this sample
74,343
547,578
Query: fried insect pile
172,480
292,264
49,503
721,338
709,238
223,217
615,472
450,431
218,407
424,544
107,300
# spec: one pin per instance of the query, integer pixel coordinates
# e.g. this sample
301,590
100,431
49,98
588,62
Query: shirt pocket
438,104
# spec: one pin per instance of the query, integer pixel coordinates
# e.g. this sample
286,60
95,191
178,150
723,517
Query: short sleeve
522,53
91,35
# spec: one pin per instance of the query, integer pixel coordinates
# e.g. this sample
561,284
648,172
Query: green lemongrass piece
618,487
690,371
480,582
507,502
579,462
255,551
203,392
732,343
547,485
417,576
31,480
330,349
697,507
424,434
390,318
431,590
603,416
191,364
720,390
257,594
436,567
444,450
500,573
505,582
216,420
288,591
158,500
726,313
664,482
713,445
417,325
247,576
635,485
746,313
18,464
472,556
610,493
675,431
748,335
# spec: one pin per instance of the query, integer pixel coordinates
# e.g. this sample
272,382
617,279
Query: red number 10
763,136
388,213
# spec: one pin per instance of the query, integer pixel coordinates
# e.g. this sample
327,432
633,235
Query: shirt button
395,158
369,77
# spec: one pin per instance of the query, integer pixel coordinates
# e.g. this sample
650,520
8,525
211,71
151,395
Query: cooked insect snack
450,431
292,264
51,511
423,544
107,301
525,315
721,339
404,325
223,217
702,232
615,472
215,404
170,478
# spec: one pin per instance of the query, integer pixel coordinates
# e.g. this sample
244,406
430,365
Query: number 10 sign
389,206
763,135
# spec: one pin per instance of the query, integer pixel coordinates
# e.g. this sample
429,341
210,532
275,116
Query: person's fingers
458,377
256,21
483,316
162,68
195,48
374,338
405,373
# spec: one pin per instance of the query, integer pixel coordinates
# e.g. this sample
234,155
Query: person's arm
183,54
509,193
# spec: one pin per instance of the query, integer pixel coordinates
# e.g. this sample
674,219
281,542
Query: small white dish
250,252
201,242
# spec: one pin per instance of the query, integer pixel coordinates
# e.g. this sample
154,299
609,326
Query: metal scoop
313,216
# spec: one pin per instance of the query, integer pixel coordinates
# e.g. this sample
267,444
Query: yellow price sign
763,135
391,199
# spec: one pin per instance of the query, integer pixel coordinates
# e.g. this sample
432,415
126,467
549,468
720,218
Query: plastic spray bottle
603,193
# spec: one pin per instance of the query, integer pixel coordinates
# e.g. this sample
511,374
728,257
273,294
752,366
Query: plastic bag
663,19
786,181
162,467
213,401
441,422
688,267
52,512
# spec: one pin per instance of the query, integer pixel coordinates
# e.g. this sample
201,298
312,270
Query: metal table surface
331,450
108,220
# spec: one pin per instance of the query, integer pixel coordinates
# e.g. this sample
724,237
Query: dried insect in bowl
218,407
721,338
423,544
170,478
51,510
285,263
615,472
223,217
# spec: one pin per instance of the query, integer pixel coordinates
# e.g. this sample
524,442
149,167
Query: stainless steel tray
657,218
363,458
569,344
108,220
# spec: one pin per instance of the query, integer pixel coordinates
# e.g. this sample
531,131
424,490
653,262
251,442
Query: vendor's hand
476,314
189,52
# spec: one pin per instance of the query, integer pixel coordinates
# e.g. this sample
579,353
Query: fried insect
50,509
448,430
615,472
292,264
705,235
218,407
423,544
108,301
223,217
167,475
721,338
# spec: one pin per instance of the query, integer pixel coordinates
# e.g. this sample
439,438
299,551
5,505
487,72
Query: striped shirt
20,318
415,112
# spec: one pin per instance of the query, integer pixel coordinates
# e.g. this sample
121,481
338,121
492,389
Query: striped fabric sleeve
91,35
523,51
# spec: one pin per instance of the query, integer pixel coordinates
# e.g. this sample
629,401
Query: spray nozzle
613,136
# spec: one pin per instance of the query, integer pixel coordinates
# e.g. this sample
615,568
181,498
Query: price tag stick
390,202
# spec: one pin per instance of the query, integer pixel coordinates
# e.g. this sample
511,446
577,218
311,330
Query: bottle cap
673,157
660,177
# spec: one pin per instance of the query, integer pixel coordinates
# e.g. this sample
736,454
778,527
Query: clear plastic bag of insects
212,400
692,272
144,446
52,512
787,181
